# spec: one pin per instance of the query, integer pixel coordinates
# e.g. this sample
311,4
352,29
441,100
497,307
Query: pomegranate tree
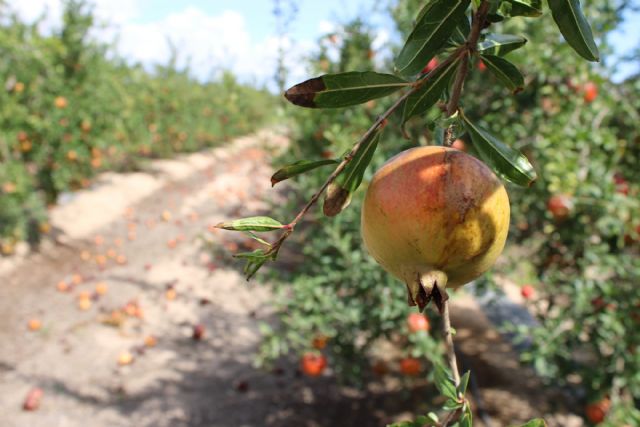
434,217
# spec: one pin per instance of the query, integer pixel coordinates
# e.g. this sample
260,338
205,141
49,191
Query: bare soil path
115,347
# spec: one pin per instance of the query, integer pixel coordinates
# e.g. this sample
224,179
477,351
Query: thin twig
448,340
478,24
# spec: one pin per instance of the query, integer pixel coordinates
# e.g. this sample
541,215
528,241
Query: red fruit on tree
380,368
410,366
313,364
597,411
598,303
319,342
527,291
434,216
622,186
433,63
417,322
481,66
590,90
560,206
459,144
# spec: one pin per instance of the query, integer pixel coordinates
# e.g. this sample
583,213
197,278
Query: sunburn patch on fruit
435,217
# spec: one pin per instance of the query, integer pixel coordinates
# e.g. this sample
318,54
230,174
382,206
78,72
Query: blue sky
239,35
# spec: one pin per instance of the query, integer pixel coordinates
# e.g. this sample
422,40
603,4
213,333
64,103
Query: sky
233,34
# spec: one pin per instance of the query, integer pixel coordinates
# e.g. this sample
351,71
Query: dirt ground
130,251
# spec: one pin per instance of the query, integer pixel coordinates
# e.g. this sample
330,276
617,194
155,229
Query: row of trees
70,108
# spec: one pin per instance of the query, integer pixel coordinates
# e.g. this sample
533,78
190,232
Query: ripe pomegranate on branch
434,217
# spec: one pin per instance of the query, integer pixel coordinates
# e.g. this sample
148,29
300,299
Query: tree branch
471,44
275,247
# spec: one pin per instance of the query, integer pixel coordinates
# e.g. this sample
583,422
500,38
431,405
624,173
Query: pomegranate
459,144
417,322
432,64
313,364
435,217
560,206
319,342
590,92
32,400
410,366
596,412
527,291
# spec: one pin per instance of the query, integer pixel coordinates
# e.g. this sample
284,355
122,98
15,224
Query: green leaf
343,89
464,381
255,260
254,237
256,223
465,420
538,422
505,161
445,383
351,177
574,27
339,193
299,167
437,22
500,44
505,71
530,8
428,93
461,32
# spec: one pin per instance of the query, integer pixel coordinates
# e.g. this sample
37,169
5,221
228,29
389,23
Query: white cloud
208,43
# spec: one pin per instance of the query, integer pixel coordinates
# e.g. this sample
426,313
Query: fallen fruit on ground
198,332
34,324
435,217
125,358
313,364
102,288
150,341
170,294
417,322
32,400
527,291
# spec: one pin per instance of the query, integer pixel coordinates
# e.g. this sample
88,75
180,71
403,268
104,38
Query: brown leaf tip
303,94
336,201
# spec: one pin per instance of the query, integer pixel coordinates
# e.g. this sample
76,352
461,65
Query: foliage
70,108
540,115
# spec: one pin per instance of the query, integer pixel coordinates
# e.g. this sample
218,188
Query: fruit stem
448,338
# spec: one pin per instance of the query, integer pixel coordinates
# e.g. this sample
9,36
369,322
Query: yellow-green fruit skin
435,209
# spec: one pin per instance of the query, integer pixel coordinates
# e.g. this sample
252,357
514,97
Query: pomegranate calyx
427,287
